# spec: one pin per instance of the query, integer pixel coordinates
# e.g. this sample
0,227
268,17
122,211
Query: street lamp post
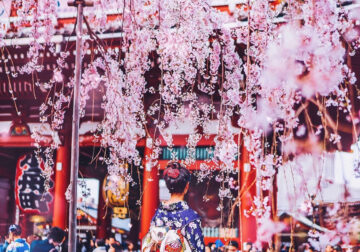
79,4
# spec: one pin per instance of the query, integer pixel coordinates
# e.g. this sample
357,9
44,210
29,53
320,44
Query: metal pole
75,130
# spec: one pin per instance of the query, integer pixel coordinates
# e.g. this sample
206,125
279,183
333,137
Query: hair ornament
172,173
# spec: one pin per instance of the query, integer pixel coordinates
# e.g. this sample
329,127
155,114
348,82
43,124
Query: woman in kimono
175,226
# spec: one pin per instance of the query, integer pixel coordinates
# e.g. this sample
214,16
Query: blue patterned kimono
180,216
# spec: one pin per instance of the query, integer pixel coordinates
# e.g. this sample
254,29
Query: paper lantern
31,194
115,190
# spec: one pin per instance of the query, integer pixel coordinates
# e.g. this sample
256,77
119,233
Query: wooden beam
178,140
22,141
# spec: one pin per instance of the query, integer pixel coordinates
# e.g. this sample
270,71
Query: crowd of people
56,241
218,246
175,227
233,246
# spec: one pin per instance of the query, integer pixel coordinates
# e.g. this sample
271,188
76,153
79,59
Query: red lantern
31,194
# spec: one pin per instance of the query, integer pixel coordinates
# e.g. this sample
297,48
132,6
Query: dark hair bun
176,177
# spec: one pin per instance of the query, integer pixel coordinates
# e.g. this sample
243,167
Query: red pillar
62,171
248,191
24,224
103,225
150,198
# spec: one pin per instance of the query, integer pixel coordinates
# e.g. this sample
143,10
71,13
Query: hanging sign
120,212
31,196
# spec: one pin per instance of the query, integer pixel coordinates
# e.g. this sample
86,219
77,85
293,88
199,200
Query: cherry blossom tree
255,72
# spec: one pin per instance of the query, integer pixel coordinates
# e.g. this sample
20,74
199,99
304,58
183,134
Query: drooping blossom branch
255,73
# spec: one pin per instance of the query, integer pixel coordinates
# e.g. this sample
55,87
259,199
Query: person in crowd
87,242
329,248
212,246
308,248
113,244
84,245
115,247
92,244
292,249
15,243
219,245
78,243
337,248
30,239
100,246
284,248
248,247
130,246
175,214
107,244
54,241
2,240
112,240
233,246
